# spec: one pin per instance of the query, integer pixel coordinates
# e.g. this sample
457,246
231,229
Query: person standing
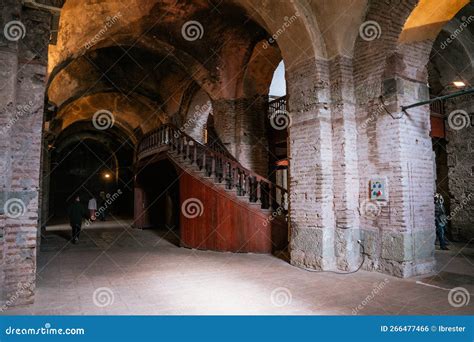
103,207
92,206
76,213
440,220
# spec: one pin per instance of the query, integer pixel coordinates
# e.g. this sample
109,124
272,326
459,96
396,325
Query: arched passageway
90,168
118,74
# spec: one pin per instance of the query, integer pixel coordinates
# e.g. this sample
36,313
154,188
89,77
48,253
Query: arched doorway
92,164
157,201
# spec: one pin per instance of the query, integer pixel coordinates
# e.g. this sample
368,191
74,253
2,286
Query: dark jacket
77,212
440,214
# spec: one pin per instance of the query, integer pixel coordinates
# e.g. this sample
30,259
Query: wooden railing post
203,164
213,167
220,167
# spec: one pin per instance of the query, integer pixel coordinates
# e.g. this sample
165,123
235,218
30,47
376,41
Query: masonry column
312,220
28,37
240,124
345,164
8,68
395,147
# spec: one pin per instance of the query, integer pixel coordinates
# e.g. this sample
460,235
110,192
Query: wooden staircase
241,210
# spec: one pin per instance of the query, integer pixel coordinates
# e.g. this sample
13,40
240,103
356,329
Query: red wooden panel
437,127
226,224
140,214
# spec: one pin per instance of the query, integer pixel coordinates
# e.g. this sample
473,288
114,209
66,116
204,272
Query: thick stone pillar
399,232
26,48
312,220
241,126
8,68
345,164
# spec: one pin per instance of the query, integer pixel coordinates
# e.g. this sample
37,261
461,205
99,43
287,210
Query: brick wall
23,96
240,124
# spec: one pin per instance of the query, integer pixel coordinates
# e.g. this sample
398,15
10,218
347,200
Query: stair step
222,185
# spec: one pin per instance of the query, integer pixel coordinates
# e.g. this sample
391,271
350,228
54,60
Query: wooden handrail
215,164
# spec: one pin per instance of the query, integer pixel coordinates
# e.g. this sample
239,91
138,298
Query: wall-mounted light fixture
459,84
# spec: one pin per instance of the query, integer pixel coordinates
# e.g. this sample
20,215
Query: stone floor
117,270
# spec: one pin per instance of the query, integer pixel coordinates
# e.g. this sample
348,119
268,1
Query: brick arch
131,116
292,25
466,39
389,72
260,69
198,72
84,129
397,21
118,143
195,109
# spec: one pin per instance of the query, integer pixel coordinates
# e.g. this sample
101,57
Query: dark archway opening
450,71
91,166
161,198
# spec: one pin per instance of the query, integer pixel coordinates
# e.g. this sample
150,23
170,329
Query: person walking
92,206
76,213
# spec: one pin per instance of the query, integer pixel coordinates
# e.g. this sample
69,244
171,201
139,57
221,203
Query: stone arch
130,116
260,68
195,111
466,39
390,71
284,21
113,147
